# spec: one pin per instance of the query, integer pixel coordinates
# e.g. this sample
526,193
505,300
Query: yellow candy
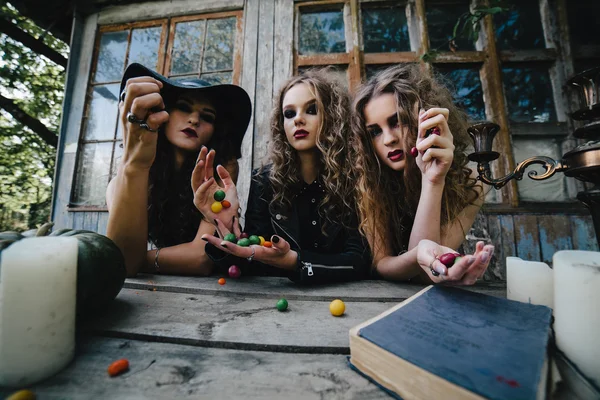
337,308
216,207
262,240
22,395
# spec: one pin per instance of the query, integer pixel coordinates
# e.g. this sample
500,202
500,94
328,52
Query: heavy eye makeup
206,114
311,109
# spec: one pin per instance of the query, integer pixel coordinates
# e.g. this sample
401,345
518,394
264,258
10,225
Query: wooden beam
323,59
391,58
32,123
34,44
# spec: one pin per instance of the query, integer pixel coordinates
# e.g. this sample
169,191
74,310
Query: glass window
322,32
385,29
187,47
93,174
111,56
465,84
441,19
529,94
220,38
144,45
102,117
520,28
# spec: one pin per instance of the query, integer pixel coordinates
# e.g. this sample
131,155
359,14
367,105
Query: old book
449,343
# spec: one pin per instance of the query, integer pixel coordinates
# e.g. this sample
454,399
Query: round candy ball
267,244
337,308
219,195
235,272
414,152
244,242
254,239
282,304
230,237
216,207
225,204
243,235
221,281
262,240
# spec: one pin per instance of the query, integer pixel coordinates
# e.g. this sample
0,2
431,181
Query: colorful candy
267,244
449,259
225,204
254,239
230,237
244,242
262,240
221,281
219,195
282,304
216,207
243,235
22,395
337,308
414,152
235,272
118,367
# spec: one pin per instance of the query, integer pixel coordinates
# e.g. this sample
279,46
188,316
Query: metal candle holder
582,163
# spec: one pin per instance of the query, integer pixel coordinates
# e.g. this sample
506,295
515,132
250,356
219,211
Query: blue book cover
490,346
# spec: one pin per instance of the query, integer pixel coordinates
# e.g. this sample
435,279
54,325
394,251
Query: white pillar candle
577,308
38,283
529,282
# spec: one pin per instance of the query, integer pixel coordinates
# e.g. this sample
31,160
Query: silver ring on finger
433,271
122,95
133,119
252,255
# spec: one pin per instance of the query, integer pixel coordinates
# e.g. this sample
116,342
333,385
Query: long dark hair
172,217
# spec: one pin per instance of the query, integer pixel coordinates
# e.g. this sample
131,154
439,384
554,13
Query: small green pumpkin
100,265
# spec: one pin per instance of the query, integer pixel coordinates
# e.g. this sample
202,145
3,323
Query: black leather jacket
344,256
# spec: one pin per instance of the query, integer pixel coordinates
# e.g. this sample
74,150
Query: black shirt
308,199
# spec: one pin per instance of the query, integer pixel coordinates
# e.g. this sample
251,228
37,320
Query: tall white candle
529,282
38,283
577,308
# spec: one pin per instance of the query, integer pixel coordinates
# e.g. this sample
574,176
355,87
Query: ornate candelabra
582,163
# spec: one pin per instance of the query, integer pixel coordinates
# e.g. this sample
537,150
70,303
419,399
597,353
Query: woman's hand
279,255
204,186
464,272
142,95
436,152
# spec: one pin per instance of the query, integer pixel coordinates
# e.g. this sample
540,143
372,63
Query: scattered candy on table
118,367
282,304
235,272
230,237
216,207
221,281
337,308
22,395
219,195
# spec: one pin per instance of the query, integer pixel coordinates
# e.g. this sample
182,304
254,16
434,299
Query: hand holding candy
211,199
442,264
435,144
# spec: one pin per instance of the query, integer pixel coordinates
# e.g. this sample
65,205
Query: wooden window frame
163,64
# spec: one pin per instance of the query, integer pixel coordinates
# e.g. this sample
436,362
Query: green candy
282,304
230,237
219,195
254,239
243,242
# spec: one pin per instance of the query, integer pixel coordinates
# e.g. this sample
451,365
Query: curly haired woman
412,181
165,125
302,200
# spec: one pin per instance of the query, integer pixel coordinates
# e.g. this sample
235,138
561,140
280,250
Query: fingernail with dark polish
484,256
223,244
205,239
275,239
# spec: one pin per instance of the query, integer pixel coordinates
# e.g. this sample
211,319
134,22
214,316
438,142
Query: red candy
235,272
244,235
414,152
448,259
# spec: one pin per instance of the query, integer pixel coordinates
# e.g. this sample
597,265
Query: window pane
102,116
144,46
465,84
117,155
187,47
553,189
217,78
520,27
92,177
220,38
111,57
385,29
372,69
529,94
322,32
583,22
441,19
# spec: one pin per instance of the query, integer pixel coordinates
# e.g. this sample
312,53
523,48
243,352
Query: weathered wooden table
192,338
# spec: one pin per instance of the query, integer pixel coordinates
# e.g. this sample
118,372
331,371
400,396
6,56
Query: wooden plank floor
189,337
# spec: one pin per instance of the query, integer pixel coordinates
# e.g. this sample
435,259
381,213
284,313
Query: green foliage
467,26
36,85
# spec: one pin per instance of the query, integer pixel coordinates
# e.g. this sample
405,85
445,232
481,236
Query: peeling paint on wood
527,237
584,236
555,235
